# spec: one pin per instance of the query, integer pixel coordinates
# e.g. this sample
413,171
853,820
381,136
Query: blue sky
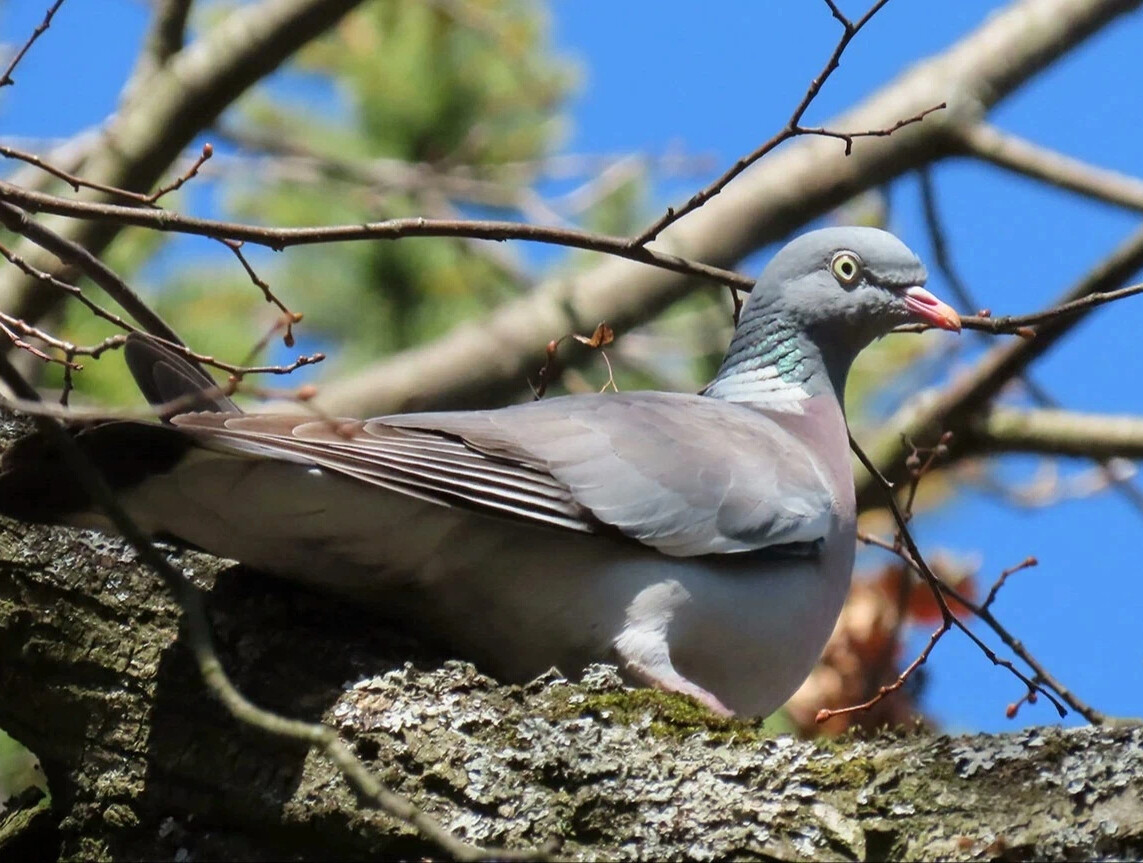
720,82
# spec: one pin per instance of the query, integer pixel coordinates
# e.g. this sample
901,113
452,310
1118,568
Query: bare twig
826,714
848,137
18,222
74,180
11,326
1024,325
6,78
792,129
180,181
999,583
940,588
390,229
291,318
77,182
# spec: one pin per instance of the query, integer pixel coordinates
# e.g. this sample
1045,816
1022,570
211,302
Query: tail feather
165,376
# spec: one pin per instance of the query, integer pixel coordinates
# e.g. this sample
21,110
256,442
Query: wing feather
687,475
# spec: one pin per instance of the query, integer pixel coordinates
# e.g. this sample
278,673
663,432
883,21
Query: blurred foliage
458,88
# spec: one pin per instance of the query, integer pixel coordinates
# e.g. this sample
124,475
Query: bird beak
930,310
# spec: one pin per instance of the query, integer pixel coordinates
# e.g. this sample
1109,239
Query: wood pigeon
703,543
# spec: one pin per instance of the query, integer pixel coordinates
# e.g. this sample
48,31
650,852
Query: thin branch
792,129
168,31
180,181
6,78
1026,563
1025,325
1012,153
940,588
848,137
825,714
11,326
72,253
389,229
75,181
291,317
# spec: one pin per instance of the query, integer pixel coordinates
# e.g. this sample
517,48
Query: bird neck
772,363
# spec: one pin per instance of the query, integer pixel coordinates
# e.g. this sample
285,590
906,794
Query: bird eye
846,267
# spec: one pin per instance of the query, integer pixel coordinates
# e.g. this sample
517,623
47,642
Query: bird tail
170,382
36,483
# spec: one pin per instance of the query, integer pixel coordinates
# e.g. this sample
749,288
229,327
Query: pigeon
703,543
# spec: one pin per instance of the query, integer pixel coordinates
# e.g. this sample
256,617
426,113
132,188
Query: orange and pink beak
929,310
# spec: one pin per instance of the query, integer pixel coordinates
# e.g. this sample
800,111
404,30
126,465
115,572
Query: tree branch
144,138
1053,432
6,78
141,764
389,229
986,142
490,360
168,30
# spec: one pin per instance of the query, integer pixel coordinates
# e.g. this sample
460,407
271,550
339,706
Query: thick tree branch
1053,432
1012,153
181,99
143,764
168,30
488,360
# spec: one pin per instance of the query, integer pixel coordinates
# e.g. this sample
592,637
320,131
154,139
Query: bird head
848,286
822,298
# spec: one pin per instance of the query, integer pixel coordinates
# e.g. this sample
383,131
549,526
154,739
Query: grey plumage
704,542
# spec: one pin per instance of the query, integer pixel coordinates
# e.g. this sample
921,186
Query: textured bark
143,763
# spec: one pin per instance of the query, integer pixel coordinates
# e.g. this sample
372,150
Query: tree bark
143,763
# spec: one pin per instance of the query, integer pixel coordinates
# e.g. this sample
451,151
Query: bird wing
684,474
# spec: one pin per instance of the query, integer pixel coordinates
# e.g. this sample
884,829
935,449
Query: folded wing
684,474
